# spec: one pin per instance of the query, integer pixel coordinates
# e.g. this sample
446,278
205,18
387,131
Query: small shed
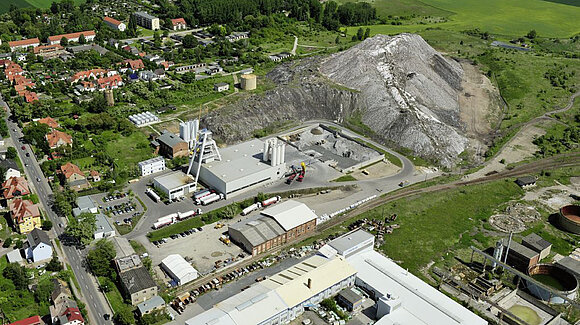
222,86
350,299
538,244
526,181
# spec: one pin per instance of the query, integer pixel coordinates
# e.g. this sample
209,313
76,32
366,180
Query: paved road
93,298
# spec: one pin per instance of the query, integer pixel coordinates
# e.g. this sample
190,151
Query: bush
46,225
54,265
7,242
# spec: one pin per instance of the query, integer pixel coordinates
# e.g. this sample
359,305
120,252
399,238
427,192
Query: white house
39,247
104,228
11,172
152,166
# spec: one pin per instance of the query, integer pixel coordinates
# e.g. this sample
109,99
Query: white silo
274,156
266,155
283,153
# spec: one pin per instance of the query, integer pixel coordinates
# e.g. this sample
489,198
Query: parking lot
120,207
202,248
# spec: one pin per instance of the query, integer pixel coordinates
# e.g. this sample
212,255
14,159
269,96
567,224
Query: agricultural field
5,4
549,19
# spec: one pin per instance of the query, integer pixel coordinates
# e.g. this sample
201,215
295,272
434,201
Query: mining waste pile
405,91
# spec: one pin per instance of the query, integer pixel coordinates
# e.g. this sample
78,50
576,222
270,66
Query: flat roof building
284,222
146,20
520,256
241,167
282,297
151,305
175,185
538,244
180,271
85,205
349,299
104,228
152,166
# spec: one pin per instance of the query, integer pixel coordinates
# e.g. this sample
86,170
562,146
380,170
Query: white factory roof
239,161
212,316
179,267
150,161
174,180
323,273
253,305
421,303
290,214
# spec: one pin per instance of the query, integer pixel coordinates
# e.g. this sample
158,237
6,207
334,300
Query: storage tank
249,81
283,153
109,97
569,218
266,156
555,277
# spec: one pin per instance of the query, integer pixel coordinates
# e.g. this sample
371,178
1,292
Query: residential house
52,123
171,146
151,305
222,86
44,50
160,73
38,247
72,37
134,65
88,74
15,186
95,176
34,320
25,215
60,293
71,316
178,24
147,75
58,138
88,47
24,44
74,177
138,285
30,97
112,82
236,36
115,24
63,305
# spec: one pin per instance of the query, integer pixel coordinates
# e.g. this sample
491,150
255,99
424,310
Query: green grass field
513,18
5,4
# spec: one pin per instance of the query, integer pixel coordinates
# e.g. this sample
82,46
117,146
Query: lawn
175,229
516,17
345,178
5,4
128,151
436,223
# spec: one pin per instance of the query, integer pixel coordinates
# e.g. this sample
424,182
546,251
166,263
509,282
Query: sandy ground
378,170
520,147
479,107
553,197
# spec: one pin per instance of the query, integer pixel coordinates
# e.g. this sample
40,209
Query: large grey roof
535,242
350,295
174,180
571,264
345,242
290,214
520,249
170,139
145,15
258,229
85,203
151,304
37,236
137,279
103,224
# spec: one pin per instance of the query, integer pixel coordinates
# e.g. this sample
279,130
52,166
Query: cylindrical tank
283,154
556,277
569,218
265,155
274,156
249,81
109,97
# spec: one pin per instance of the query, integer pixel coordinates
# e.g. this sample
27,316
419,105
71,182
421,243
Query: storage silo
249,81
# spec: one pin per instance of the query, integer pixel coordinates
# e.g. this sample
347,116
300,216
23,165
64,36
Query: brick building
285,222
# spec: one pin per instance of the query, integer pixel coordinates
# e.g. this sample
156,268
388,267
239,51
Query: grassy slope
5,4
514,17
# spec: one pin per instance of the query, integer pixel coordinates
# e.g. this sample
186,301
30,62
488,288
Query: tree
54,265
61,205
82,39
132,26
11,153
337,40
43,291
189,41
46,224
82,228
17,274
157,39
7,243
124,316
63,41
100,259
360,34
532,34
367,33
228,212
35,133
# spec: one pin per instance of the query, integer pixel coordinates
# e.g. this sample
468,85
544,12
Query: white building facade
152,166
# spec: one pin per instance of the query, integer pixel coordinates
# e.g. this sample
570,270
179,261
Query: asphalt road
93,298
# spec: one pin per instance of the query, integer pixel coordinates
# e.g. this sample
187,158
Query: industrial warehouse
399,297
273,227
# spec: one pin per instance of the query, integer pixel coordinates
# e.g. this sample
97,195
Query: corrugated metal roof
290,214
258,229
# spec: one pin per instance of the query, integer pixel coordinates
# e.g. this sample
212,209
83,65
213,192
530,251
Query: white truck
211,198
251,208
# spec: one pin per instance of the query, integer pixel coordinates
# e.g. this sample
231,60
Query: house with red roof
71,316
134,65
178,23
45,49
112,82
15,186
88,74
72,37
25,215
52,123
34,320
115,24
74,176
24,44
30,96
58,138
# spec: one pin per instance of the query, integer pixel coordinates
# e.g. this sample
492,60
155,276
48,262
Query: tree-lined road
92,297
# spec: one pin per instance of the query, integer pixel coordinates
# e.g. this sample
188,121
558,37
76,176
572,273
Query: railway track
564,160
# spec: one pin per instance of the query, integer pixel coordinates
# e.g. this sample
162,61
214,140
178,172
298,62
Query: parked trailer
251,208
201,194
211,199
158,224
152,195
271,201
164,221
204,197
188,214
